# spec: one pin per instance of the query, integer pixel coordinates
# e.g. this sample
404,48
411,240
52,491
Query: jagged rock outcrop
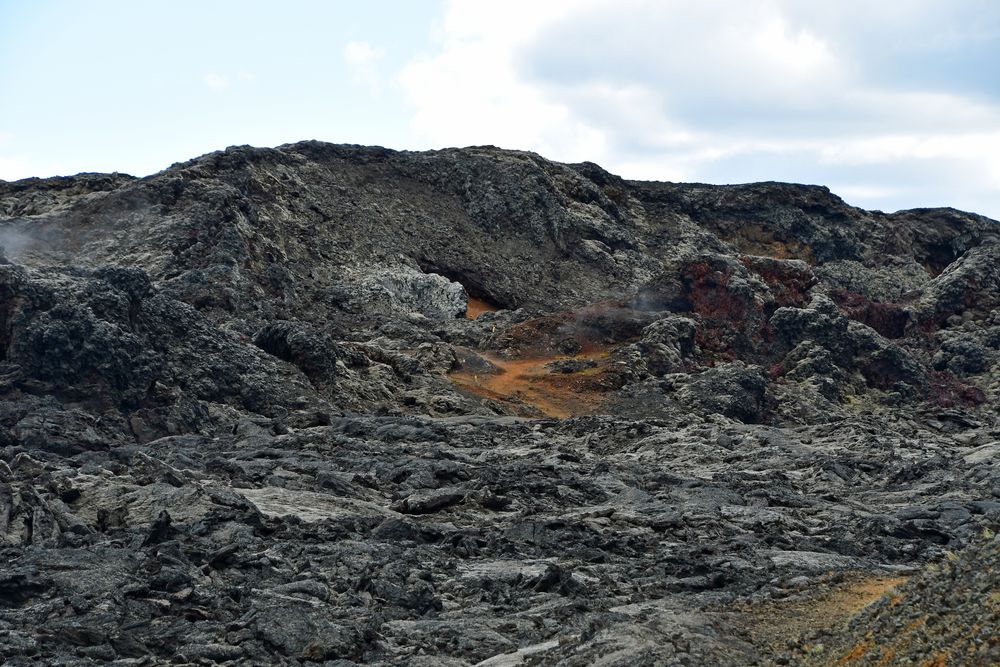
343,404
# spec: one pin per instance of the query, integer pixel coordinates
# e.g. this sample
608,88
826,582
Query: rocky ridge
343,404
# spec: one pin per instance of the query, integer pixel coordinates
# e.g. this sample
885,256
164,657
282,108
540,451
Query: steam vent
344,405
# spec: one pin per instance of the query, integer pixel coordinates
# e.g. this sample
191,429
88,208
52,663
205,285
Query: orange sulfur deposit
529,383
477,307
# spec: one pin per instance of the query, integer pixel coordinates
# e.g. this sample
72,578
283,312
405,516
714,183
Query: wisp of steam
12,243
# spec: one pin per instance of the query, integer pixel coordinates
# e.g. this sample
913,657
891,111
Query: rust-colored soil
774,623
867,651
590,329
857,595
477,307
528,383
756,240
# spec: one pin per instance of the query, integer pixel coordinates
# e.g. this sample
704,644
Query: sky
892,104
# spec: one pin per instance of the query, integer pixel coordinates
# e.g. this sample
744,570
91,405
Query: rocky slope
345,404
948,615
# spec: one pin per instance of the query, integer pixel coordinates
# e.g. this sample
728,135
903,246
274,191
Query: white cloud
12,169
16,167
215,81
851,192
470,92
362,59
726,90
889,148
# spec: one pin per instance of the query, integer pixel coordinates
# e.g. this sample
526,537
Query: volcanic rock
342,404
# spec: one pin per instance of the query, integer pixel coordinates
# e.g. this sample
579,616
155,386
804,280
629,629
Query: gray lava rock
245,419
733,390
405,290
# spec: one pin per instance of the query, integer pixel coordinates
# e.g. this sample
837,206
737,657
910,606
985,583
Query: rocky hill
342,404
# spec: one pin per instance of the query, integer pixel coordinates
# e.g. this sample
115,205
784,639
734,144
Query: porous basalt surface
343,405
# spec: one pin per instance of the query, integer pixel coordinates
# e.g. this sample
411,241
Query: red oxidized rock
889,319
